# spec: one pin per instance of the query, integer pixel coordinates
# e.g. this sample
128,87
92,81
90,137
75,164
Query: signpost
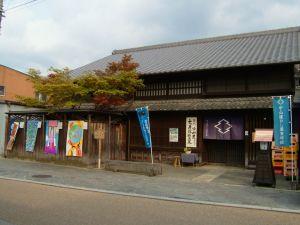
99,135
264,173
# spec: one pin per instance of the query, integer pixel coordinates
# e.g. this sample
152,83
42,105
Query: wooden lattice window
153,89
171,89
185,88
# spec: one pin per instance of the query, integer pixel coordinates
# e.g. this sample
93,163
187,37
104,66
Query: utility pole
1,12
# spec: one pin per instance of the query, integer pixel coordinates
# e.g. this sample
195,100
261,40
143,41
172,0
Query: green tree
113,86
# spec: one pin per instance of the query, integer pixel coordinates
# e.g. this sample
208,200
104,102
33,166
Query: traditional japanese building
209,94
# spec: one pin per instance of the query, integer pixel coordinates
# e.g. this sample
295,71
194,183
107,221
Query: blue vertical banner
282,121
143,116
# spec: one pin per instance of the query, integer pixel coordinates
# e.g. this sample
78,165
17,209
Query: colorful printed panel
31,133
52,134
74,138
14,127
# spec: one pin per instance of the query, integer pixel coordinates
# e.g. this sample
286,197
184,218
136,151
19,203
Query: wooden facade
112,145
269,80
243,81
123,139
214,151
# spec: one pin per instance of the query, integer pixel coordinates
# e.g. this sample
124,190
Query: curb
244,206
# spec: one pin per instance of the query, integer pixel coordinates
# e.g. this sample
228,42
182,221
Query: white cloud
73,33
282,14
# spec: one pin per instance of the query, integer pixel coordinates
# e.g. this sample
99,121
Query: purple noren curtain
223,128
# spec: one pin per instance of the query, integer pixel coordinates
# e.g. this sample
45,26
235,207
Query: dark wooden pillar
64,130
89,141
128,141
7,134
247,139
25,130
201,145
42,136
109,137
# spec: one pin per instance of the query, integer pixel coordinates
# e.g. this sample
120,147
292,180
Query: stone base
145,168
295,185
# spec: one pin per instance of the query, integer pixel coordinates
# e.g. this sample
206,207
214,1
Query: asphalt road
34,204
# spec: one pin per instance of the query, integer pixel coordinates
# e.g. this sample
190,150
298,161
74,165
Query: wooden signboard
263,135
264,173
99,134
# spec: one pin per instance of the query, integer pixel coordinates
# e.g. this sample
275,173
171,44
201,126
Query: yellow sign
99,133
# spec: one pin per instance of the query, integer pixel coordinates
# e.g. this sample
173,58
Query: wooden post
42,143
247,139
25,131
65,130
100,144
99,154
109,130
128,141
89,140
99,135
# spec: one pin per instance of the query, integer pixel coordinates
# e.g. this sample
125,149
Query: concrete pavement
32,204
2,222
193,184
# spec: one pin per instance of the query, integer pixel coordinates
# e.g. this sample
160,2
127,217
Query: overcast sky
73,33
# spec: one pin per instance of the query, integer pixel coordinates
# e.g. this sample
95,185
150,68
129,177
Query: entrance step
209,176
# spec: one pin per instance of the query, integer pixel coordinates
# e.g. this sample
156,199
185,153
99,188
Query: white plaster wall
4,108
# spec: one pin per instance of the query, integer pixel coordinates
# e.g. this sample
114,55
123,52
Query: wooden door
118,141
228,152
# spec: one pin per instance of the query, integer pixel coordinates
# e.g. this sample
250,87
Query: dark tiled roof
258,48
171,105
201,104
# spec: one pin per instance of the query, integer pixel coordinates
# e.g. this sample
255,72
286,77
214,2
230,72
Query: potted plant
187,150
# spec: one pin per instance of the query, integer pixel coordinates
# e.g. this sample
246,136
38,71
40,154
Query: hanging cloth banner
75,138
31,133
52,133
282,121
223,128
191,132
13,128
143,116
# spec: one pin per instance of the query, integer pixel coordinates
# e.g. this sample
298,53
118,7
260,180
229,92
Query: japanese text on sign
282,121
191,132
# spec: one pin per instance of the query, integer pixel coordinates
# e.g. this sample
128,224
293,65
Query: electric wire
21,5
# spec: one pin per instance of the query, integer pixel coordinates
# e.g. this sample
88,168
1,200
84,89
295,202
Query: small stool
177,161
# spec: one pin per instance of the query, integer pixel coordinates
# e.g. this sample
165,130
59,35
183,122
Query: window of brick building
2,90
